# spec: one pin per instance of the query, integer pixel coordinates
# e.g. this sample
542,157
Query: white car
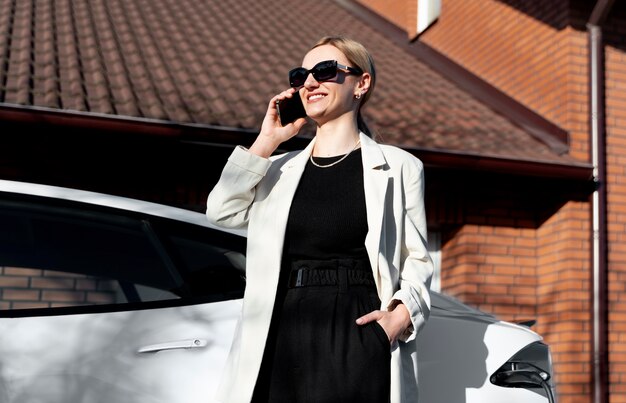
109,299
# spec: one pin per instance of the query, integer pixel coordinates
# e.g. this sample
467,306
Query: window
54,256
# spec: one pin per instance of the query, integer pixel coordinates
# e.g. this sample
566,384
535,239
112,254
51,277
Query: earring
357,96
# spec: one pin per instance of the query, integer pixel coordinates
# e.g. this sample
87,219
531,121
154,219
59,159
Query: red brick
29,305
20,295
53,283
13,281
63,296
18,271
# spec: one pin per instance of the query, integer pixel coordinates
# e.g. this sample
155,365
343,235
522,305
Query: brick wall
540,63
563,298
537,53
540,58
531,52
492,268
22,288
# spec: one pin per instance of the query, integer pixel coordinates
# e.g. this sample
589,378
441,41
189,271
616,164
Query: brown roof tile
218,63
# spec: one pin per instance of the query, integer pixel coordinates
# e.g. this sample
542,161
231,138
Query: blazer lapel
375,180
292,171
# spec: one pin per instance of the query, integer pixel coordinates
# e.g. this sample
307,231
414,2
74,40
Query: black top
328,218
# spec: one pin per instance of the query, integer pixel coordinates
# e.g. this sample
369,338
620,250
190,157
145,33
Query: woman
337,265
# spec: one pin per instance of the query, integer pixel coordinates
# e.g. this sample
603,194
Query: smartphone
290,109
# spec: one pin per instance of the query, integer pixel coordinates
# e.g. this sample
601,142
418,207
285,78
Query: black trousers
316,353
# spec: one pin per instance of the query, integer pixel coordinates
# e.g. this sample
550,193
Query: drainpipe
599,203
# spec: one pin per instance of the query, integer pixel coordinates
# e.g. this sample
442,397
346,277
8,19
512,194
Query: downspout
599,202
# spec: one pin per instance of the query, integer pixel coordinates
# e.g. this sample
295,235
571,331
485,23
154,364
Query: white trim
427,12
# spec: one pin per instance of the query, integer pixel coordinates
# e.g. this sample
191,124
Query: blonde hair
357,55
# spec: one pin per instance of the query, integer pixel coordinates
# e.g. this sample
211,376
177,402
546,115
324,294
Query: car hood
446,306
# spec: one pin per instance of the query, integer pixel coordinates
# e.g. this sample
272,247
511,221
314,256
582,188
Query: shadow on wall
575,13
496,200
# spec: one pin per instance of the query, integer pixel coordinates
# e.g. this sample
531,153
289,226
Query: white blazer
256,193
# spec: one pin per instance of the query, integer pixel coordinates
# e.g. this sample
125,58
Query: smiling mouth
315,97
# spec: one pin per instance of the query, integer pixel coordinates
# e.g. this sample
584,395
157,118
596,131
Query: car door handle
172,345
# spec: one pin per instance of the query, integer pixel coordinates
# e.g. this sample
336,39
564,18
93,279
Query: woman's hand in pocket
394,323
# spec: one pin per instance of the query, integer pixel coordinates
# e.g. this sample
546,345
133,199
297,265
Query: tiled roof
218,63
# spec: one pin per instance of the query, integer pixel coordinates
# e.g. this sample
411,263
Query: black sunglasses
322,71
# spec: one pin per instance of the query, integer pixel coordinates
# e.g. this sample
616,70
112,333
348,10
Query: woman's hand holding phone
273,133
290,110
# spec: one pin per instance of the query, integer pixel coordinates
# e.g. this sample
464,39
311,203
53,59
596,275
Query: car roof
111,201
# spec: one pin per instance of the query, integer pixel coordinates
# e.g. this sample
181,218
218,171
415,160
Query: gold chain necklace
336,162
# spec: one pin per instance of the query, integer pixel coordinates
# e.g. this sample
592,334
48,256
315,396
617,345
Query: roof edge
576,171
207,135
220,135
530,121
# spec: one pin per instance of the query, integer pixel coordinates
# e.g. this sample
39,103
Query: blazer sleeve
229,203
416,267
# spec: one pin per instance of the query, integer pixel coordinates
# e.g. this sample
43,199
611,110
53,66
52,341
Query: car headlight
530,368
